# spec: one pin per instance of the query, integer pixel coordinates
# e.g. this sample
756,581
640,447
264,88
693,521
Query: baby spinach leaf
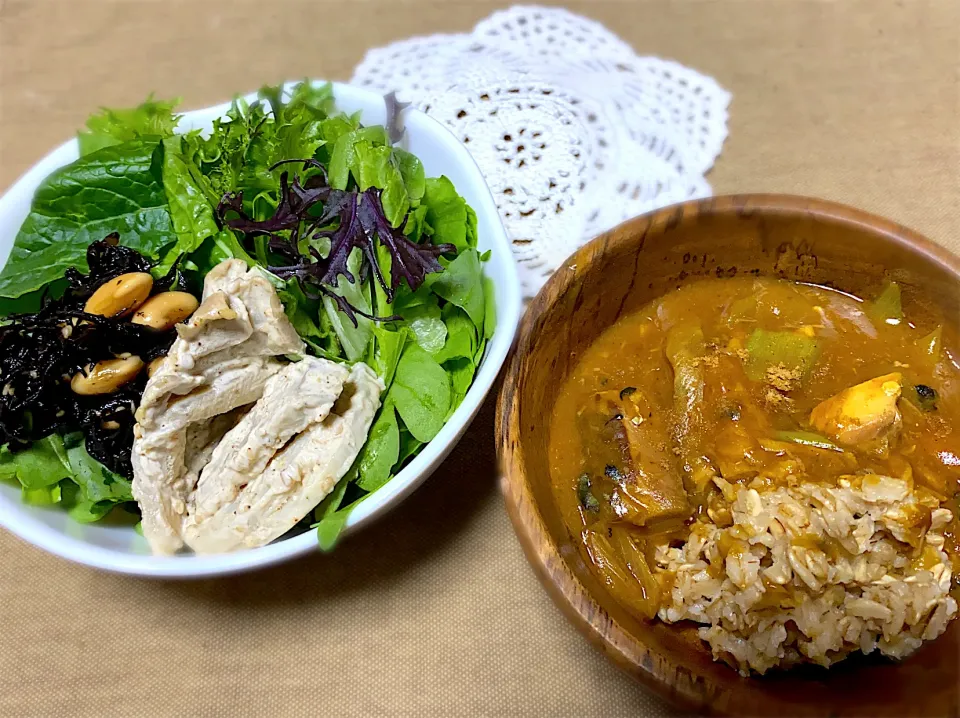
330,517
332,129
381,451
79,509
331,503
409,445
461,282
58,469
478,355
421,393
399,174
461,335
489,308
376,166
31,301
300,310
461,373
213,250
116,189
416,225
405,299
427,326
389,347
447,213
153,120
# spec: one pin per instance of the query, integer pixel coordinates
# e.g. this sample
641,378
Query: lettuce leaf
115,189
99,488
190,210
44,464
152,120
59,470
296,132
354,339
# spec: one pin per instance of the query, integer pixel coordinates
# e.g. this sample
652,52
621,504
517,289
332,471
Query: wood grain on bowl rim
668,677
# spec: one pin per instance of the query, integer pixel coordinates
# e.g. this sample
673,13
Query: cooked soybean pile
373,262
776,462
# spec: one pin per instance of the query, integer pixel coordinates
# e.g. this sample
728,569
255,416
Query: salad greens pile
372,260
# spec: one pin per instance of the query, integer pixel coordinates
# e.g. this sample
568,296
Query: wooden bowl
617,273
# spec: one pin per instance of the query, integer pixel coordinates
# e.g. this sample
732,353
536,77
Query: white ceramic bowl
121,549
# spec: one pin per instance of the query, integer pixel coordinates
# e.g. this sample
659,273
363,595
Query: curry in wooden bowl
730,436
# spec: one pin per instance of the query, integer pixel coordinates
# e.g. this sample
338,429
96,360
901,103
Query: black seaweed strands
40,353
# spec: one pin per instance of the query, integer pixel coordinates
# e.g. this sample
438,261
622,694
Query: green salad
373,261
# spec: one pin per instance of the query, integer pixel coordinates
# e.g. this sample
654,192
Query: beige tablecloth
433,611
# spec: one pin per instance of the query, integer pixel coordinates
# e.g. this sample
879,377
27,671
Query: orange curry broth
633,447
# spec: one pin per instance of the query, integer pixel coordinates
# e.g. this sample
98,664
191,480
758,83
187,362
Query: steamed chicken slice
295,398
161,480
203,437
861,412
296,479
220,361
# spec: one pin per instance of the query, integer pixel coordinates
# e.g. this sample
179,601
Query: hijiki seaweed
40,352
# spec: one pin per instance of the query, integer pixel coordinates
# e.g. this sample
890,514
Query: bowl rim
543,554
509,305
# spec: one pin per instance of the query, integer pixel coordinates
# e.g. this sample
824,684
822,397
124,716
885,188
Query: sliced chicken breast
294,399
221,360
203,438
297,478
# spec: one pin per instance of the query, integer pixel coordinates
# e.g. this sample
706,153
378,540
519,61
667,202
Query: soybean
106,377
165,310
121,295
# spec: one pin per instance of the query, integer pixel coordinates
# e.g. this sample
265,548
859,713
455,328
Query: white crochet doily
573,131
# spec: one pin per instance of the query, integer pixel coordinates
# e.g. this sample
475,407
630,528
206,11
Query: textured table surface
433,611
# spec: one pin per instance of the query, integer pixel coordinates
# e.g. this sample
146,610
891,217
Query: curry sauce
728,382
